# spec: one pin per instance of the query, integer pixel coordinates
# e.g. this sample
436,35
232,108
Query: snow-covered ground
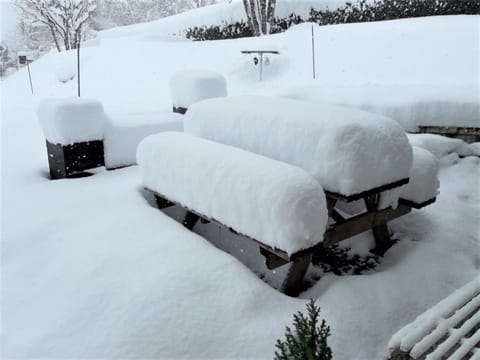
91,270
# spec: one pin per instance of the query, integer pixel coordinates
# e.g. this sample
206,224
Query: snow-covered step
448,330
190,86
123,132
276,204
348,151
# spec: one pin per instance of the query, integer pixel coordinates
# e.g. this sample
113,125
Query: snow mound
123,133
424,183
273,202
71,120
190,86
347,151
441,146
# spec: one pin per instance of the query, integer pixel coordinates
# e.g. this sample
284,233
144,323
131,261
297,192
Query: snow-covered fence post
190,86
73,129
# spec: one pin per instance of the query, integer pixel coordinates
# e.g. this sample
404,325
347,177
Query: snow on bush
190,86
424,183
273,202
347,151
71,120
123,133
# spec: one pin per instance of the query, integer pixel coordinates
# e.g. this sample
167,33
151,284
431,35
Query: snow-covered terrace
91,270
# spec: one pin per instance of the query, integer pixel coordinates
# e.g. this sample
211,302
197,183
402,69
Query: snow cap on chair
348,151
71,120
190,86
273,202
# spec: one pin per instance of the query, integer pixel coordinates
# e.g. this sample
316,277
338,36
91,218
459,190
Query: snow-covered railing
190,86
448,330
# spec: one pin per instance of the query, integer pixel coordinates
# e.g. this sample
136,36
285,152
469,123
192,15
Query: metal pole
30,76
78,64
261,65
313,54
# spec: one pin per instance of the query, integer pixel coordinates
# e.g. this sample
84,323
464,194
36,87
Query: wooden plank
417,205
293,283
260,52
361,223
363,194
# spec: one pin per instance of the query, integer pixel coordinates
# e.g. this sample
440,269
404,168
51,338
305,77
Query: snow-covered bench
190,86
468,134
73,129
80,136
123,133
279,206
448,330
353,154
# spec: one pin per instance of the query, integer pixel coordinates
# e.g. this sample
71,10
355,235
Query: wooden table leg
381,233
293,283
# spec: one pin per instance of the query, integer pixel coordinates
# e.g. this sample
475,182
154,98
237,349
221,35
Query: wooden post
78,62
381,233
293,283
30,76
313,54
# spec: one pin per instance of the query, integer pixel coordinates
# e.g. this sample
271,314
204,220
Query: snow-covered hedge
123,133
351,12
348,151
71,120
276,203
190,86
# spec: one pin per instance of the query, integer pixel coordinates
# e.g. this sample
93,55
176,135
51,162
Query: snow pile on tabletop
441,146
430,327
424,183
348,151
409,104
273,202
71,120
123,133
190,86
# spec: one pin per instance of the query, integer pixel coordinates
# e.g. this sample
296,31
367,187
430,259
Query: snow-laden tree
260,14
65,20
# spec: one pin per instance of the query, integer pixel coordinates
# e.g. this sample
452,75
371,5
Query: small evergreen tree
308,341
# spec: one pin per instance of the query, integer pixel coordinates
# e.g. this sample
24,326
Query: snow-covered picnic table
252,144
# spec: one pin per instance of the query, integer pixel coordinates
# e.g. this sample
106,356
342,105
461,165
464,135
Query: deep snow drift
91,270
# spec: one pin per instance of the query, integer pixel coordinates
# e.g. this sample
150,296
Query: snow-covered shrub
361,11
308,341
364,11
